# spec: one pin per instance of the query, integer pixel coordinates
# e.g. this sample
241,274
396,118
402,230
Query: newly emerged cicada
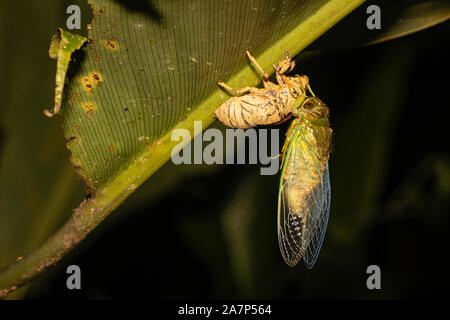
264,106
304,194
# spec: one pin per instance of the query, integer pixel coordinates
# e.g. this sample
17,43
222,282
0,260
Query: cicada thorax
307,165
266,106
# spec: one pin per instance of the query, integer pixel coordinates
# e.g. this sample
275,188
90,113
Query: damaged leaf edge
62,45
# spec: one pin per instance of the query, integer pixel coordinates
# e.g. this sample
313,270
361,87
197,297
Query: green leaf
149,69
159,74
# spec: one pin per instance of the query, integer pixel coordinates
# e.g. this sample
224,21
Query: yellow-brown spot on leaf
89,106
111,44
87,84
96,78
111,148
70,139
153,146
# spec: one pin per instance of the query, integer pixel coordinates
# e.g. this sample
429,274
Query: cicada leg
236,92
276,156
265,76
285,66
310,90
278,76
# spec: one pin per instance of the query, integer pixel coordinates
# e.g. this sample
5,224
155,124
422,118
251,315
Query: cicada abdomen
260,107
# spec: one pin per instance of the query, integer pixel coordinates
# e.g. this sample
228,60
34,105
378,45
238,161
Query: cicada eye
308,105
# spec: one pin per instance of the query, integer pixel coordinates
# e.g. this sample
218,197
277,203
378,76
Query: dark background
210,231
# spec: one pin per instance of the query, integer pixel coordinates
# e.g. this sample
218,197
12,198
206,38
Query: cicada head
312,109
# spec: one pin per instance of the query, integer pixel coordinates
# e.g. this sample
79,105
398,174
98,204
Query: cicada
263,106
304,194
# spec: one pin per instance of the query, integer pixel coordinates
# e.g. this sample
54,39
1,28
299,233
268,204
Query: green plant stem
94,210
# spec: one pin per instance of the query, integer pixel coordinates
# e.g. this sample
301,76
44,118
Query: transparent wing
302,226
318,225
290,246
